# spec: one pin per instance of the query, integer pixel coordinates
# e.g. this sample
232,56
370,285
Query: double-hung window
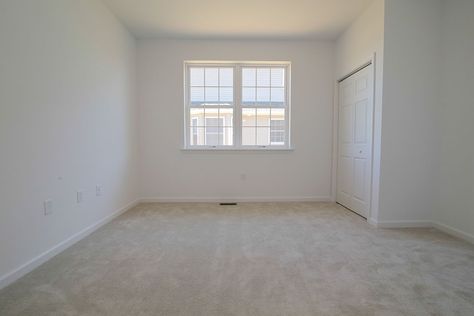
237,105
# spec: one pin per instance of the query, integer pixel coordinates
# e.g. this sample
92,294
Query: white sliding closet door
355,141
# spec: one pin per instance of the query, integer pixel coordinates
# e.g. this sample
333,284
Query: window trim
237,105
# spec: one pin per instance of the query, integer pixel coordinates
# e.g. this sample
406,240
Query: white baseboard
423,224
454,232
400,224
27,267
236,199
372,222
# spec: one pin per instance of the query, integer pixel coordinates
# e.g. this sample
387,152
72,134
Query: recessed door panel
347,129
360,166
346,179
360,122
361,83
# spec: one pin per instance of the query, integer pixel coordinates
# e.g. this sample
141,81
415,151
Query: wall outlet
48,207
98,190
80,196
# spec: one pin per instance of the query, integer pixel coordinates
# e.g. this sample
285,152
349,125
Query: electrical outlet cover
98,190
48,207
79,196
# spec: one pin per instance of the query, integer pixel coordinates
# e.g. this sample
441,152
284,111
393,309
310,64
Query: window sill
238,149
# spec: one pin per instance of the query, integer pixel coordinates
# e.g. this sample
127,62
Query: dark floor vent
232,203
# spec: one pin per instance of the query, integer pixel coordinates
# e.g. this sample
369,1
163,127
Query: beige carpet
252,259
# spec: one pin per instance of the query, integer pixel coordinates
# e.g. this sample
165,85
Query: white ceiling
321,19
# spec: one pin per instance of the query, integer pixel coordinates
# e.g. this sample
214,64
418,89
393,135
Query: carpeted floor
251,259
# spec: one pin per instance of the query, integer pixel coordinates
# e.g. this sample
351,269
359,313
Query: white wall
169,173
363,38
410,110
427,156
456,190
67,122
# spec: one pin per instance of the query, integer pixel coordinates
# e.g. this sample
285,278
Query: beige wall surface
67,123
167,172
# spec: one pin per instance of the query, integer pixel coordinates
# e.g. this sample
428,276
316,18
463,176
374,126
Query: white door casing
355,134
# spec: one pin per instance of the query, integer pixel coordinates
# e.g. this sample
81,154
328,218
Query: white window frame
237,105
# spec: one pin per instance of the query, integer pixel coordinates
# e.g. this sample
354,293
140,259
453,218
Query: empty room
217,157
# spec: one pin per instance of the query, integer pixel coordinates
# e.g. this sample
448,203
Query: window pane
263,117
248,77
226,138
194,124
213,130
212,122
263,136
226,116
263,77
278,77
226,77
226,95
277,138
212,94
278,114
249,117
278,96
212,77
211,113
248,136
197,94
277,125
263,95
212,139
277,132
196,136
248,95
197,117
197,76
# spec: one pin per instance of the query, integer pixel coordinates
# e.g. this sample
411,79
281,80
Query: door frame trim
374,189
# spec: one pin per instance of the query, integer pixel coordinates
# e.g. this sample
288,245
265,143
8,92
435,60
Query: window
237,105
211,105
